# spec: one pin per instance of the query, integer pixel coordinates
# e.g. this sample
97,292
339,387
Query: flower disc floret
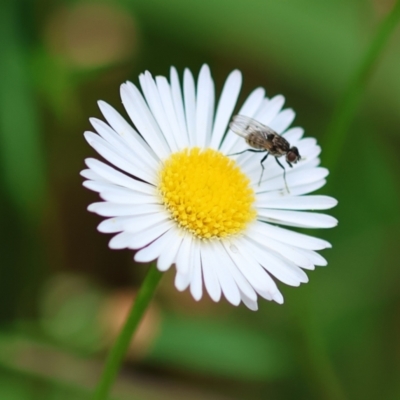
207,193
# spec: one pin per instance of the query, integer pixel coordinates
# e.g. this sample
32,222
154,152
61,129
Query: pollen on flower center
206,193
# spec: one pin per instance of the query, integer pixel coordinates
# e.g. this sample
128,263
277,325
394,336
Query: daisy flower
173,191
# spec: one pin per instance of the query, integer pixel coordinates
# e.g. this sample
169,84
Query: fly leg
244,151
284,172
262,167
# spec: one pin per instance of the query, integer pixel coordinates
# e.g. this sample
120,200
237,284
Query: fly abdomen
256,141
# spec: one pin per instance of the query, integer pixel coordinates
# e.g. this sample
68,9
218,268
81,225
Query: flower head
176,193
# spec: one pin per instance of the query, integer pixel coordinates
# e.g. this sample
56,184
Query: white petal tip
114,245
110,225
87,136
163,268
322,264
215,298
196,295
205,67
278,298
142,259
236,73
92,207
90,161
179,287
252,306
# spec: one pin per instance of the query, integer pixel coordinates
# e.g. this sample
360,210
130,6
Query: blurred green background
63,293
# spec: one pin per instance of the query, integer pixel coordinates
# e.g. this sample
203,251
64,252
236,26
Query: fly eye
291,156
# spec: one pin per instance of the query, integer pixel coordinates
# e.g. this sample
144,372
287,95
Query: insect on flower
264,139
170,192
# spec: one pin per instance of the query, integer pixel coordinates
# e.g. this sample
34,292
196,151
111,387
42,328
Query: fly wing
244,126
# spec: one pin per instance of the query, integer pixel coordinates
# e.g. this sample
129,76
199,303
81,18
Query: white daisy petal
294,191
309,160
110,136
299,203
226,104
126,132
112,225
168,105
131,224
284,270
270,110
171,193
120,241
196,284
290,237
156,248
122,195
96,186
112,156
189,95
178,106
146,236
117,194
169,252
135,224
228,285
293,135
253,102
108,209
292,253
242,283
183,257
249,303
278,297
112,175
204,113
209,273
282,120
306,144
154,101
89,174
140,115
297,218
269,290
252,270
294,178
314,257
183,280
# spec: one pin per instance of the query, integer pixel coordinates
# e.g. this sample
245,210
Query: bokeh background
63,293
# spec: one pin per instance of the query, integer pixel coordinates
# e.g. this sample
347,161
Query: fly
264,139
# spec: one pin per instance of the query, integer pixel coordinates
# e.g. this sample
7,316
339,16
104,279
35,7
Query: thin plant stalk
348,105
120,347
333,144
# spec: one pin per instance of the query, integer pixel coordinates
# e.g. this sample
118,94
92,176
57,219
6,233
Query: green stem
347,107
118,351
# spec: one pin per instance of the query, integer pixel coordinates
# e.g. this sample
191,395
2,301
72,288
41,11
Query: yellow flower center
206,193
